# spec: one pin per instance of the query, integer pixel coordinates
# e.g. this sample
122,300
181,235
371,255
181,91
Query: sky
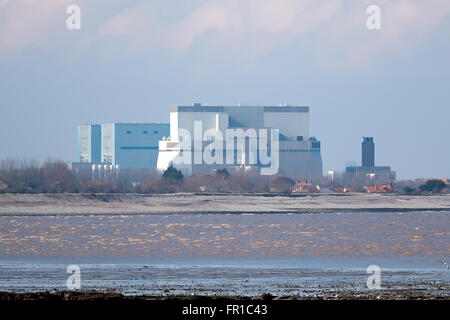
131,60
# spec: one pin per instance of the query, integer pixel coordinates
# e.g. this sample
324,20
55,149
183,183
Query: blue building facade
89,143
132,145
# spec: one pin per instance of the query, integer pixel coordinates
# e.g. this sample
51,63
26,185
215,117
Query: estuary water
233,254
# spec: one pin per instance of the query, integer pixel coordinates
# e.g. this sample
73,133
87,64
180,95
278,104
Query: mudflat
123,204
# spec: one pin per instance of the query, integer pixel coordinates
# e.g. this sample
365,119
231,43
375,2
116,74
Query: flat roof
141,123
202,108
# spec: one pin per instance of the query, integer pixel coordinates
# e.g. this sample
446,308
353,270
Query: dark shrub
433,185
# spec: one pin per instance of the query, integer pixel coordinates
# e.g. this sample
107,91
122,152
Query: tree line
27,176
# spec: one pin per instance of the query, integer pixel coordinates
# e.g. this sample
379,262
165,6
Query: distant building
89,143
342,189
383,188
366,174
299,154
132,145
368,153
304,187
127,145
325,189
373,174
94,171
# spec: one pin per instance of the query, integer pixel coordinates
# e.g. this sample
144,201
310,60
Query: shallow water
224,254
139,279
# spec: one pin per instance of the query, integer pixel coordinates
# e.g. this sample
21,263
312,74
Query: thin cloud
28,22
337,26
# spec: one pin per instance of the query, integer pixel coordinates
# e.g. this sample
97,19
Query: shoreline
146,283
183,203
387,294
320,211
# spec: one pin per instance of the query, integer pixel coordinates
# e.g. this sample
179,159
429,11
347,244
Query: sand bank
91,204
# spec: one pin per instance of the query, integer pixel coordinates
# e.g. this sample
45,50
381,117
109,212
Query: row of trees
172,180
29,177
56,177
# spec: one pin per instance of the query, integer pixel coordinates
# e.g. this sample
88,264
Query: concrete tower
368,152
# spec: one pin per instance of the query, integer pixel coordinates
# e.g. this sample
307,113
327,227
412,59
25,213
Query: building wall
368,152
89,143
174,125
84,143
245,116
299,158
185,120
96,143
291,121
108,143
132,145
291,124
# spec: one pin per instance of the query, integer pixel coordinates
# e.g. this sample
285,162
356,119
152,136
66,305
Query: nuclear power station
268,140
271,139
200,138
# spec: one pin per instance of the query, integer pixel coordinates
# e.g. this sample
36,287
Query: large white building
215,134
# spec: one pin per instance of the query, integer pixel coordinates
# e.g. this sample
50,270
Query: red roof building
303,187
342,189
379,188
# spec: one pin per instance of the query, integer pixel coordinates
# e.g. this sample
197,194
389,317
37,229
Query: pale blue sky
132,60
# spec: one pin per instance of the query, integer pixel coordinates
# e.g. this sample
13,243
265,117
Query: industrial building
119,145
94,171
293,153
366,174
376,174
368,153
89,143
132,145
